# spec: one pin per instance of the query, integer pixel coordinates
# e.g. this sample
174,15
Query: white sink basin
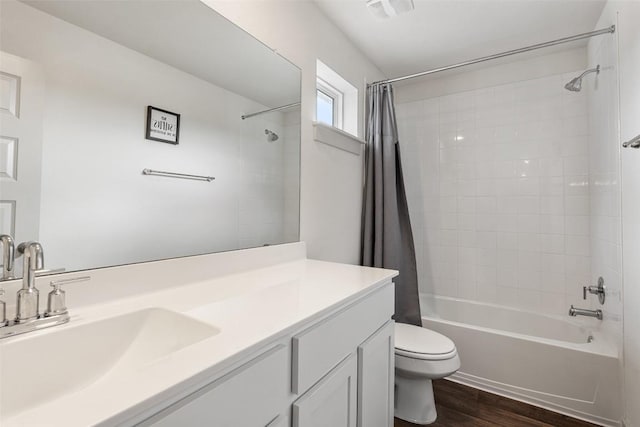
38,369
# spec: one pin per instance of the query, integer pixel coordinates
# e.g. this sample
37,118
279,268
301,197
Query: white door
331,402
21,115
376,372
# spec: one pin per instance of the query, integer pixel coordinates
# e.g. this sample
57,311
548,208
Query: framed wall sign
162,125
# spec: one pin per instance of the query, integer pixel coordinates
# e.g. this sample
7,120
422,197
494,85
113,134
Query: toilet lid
414,339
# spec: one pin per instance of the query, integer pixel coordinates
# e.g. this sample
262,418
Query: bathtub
547,361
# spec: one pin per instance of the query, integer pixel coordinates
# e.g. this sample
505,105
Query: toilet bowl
421,356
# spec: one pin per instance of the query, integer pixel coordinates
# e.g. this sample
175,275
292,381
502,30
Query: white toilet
421,356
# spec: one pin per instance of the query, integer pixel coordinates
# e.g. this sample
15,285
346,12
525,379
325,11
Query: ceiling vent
389,8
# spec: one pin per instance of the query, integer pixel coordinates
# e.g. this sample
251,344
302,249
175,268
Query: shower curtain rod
611,29
283,107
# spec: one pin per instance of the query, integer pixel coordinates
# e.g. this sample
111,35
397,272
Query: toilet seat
420,343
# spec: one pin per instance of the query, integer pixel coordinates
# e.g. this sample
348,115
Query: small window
324,107
336,100
329,104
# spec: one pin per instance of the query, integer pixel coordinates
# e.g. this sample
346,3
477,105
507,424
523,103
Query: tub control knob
595,290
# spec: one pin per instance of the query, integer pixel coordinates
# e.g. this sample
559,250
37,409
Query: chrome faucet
584,312
29,297
8,257
28,317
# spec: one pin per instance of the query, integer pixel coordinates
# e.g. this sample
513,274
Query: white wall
626,15
629,51
604,179
104,211
497,184
331,179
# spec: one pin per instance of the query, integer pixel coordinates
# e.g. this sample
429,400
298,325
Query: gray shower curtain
387,240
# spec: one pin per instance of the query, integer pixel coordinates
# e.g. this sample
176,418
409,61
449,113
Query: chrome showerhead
271,136
575,85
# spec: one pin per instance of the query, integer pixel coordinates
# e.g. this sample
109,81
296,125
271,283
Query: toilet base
414,401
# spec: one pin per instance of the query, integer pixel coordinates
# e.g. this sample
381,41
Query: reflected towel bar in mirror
177,175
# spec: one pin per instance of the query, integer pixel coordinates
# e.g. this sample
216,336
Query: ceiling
190,36
444,32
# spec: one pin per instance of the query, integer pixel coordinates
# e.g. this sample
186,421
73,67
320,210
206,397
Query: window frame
338,101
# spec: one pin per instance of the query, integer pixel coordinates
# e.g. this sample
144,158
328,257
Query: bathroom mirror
94,92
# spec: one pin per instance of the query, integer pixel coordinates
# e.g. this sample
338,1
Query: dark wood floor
461,406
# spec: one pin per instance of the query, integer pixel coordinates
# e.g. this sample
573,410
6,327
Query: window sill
337,138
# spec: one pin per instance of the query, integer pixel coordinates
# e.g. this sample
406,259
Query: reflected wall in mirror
76,80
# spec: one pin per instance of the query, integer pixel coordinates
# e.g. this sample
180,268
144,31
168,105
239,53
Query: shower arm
593,70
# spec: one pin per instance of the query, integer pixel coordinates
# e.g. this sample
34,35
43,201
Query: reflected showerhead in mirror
575,85
271,136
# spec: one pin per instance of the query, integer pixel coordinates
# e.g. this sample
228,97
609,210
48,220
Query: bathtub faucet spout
584,312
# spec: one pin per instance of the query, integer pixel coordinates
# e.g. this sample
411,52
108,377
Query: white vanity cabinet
249,396
358,392
359,337
336,371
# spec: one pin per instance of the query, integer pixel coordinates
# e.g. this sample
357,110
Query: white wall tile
577,245
576,165
551,167
551,205
506,240
552,224
576,205
467,238
552,243
577,225
486,239
509,173
529,223
486,257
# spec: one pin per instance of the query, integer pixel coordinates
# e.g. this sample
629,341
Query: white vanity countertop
248,308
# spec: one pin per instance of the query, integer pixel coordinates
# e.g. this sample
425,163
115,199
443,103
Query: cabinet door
331,402
376,378
250,396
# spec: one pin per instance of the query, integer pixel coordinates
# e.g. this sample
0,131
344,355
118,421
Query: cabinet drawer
318,349
250,396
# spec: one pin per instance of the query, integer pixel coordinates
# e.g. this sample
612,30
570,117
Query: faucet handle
595,290
8,256
3,310
57,283
56,303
